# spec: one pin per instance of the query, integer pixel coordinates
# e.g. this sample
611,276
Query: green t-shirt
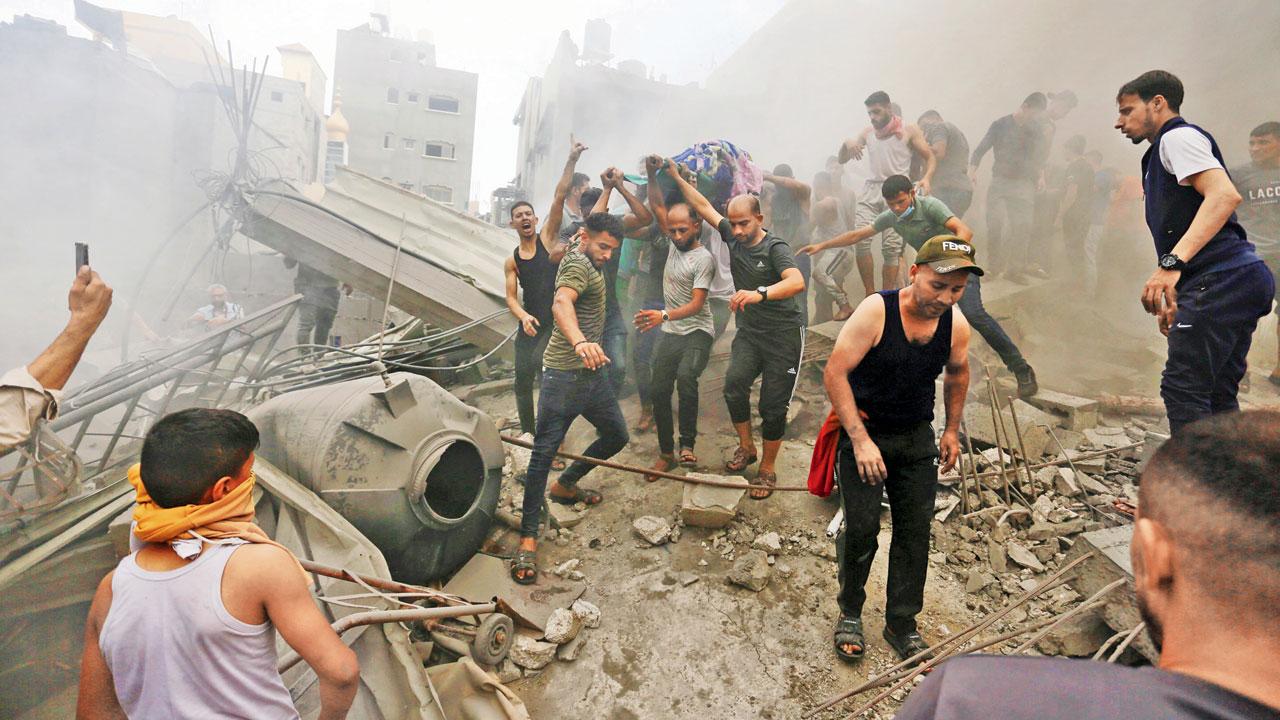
927,220
577,272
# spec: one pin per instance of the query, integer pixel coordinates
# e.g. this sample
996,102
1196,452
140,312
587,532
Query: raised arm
657,205
550,232
955,385
844,239
639,217
700,204
860,333
798,189
852,148
916,138
528,322
89,300
958,228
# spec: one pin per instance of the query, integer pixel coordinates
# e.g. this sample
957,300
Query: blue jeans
614,344
990,330
1209,341
642,350
565,395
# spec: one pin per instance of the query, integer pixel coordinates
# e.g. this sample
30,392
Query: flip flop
524,567
580,495
764,478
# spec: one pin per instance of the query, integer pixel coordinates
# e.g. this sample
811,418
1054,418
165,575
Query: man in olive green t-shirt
917,218
573,384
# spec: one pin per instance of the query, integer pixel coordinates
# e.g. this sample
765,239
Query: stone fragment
1087,465
563,516
532,654
751,571
1031,421
769,542
568,652
651,529
1045,553
507,672
589,613
517,463
1073,413
566,567
1093,485
1024,557
1046,530
1064,482
976,580
1079,636
562,626
996,556
710,506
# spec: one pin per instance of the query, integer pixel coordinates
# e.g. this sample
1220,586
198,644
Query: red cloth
822,466
895,127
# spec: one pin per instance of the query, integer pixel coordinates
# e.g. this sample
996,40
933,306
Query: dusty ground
670,650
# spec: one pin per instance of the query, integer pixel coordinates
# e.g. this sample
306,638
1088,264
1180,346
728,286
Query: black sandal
849,632
524,567
907,645
580,495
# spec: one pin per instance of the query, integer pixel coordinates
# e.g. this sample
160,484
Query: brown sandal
764,478
687,458
741,460
664,463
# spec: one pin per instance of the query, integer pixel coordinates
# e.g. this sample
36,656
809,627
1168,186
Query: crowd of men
204,587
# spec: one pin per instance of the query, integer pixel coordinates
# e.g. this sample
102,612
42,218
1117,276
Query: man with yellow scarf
183,627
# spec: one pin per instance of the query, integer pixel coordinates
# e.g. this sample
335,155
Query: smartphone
82,256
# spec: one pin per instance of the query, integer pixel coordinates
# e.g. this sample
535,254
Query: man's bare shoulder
262,565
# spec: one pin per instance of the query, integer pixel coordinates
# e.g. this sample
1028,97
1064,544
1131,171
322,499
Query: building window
388,141
407,186
277,96
413,96
393,95
443,103
437,149
439,193
409,143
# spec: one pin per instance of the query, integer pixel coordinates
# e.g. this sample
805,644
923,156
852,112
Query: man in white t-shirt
1210,287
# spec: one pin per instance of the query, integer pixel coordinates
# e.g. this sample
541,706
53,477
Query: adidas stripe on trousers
774,357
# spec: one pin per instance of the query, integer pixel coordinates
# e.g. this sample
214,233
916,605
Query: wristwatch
764,292
665,316
1169,261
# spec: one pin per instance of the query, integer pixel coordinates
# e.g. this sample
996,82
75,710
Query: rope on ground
657,473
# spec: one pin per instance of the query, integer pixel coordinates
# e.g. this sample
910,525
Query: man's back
985,686
176,651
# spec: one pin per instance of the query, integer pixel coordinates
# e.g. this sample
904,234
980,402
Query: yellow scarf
231,516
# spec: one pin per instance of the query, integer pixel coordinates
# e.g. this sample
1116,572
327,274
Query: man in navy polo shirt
1210,287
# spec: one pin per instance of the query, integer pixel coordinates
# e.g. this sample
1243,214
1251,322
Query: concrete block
1031,420
1074,413
1080,636
709,506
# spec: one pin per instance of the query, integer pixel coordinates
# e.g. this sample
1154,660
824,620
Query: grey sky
505,42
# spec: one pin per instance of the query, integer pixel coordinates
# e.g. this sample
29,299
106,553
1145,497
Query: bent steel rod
656,473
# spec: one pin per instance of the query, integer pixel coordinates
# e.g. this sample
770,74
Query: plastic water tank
411,466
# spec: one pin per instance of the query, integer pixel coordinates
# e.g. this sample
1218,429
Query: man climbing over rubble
532,268
889,144
880,379
574,383
687,331
770,336
1210,287
185,626
1206,571
916,219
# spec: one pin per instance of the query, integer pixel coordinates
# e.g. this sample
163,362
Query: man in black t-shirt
1206,571
770,337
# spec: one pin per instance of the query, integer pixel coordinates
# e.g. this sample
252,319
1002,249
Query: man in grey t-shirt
687,326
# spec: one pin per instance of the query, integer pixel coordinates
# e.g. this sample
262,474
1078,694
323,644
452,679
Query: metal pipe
656,473
380,583
378,617
961,637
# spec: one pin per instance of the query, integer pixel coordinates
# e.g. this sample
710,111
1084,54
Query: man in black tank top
880,378
532,269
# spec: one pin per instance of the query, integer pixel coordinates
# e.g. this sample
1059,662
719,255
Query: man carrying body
185,627
951,183
889,145
770,337
532,269
573,384
219,311
1017,143
880,379
1206,572
687,328
1209,287
917,219
1259,185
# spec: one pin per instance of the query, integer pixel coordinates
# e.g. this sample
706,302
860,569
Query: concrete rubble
709,506
653,530
532,654
563,626
751,571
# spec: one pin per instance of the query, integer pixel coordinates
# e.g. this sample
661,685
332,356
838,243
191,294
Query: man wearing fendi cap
880,379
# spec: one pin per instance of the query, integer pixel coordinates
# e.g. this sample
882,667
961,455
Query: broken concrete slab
976,580
562,626
1064,482
1079,636
569,651
709,506
1031,421
564,516
532,654
997,558
1086,464
1093,485
1046,530
1024,557
769,542
751,571
1073,413
485,577
653,530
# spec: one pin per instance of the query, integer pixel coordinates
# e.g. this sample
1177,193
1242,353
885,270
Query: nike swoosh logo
1182,325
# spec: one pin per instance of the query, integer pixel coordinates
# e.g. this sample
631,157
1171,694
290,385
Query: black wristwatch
1169,261
764,292
665,316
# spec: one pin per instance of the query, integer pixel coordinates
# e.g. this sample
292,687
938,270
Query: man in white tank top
186,626
889,145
